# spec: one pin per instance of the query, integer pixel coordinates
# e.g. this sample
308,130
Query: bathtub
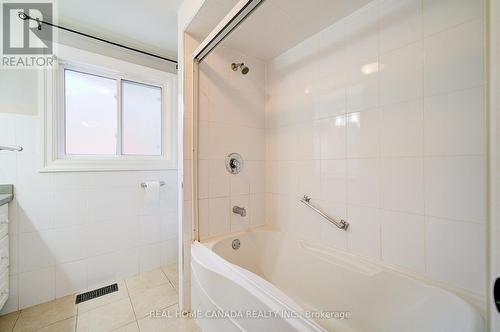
274,282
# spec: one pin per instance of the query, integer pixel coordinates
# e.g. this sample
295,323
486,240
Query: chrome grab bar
11,148
342,224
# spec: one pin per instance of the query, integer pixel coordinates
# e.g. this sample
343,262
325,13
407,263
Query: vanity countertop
6,193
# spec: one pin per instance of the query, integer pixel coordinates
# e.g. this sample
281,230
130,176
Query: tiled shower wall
231,119
380,118
70,232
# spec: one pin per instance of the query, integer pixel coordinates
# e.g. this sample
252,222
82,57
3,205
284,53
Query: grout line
17,319
77,316
130,299
424,98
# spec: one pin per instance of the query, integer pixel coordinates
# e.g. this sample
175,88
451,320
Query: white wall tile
400,23
309,182
219,181
32,211
256,173
219,215
257,209
364,230
71,278
363,134
74,211
403,240
334,180
330,92
149,257
456,253
169,226
332,137
101,270
8,168
127,263
240,183
401,74
362,90
99,180
68,244
70,181
443,14
113,203
454,59
402,184
34,251
455,188
402,129
31,291
169,252
455,123
363,186
7,130
150,228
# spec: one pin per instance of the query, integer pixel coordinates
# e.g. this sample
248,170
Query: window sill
63,165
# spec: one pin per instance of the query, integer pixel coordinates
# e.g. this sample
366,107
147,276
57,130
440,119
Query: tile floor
124,311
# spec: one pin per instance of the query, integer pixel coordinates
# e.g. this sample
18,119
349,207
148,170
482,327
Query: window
107,114
91,114
141,119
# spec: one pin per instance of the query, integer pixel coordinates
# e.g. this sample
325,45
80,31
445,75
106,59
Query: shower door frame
191,82
239,13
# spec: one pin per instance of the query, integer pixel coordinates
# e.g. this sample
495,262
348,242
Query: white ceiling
209,15
276,26
149,25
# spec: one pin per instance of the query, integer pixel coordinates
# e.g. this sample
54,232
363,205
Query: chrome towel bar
11,148
342,224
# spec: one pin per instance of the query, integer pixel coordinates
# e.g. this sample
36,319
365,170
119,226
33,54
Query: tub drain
236,244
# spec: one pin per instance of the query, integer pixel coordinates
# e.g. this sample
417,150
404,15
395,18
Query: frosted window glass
142,119
91,114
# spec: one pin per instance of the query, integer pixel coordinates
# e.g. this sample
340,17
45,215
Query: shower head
236,66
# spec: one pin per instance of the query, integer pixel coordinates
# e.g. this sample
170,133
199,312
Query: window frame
54,124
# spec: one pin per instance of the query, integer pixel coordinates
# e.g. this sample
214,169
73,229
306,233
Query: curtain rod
23,16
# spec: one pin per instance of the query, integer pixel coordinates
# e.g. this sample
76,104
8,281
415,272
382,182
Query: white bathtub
295,280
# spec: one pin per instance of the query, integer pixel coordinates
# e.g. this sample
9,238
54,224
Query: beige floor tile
132,327
45,314
67,325
167,324
172,273
7,321
153,299
121,294
146,281
106,318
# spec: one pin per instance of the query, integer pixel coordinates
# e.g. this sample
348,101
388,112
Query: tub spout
240,210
